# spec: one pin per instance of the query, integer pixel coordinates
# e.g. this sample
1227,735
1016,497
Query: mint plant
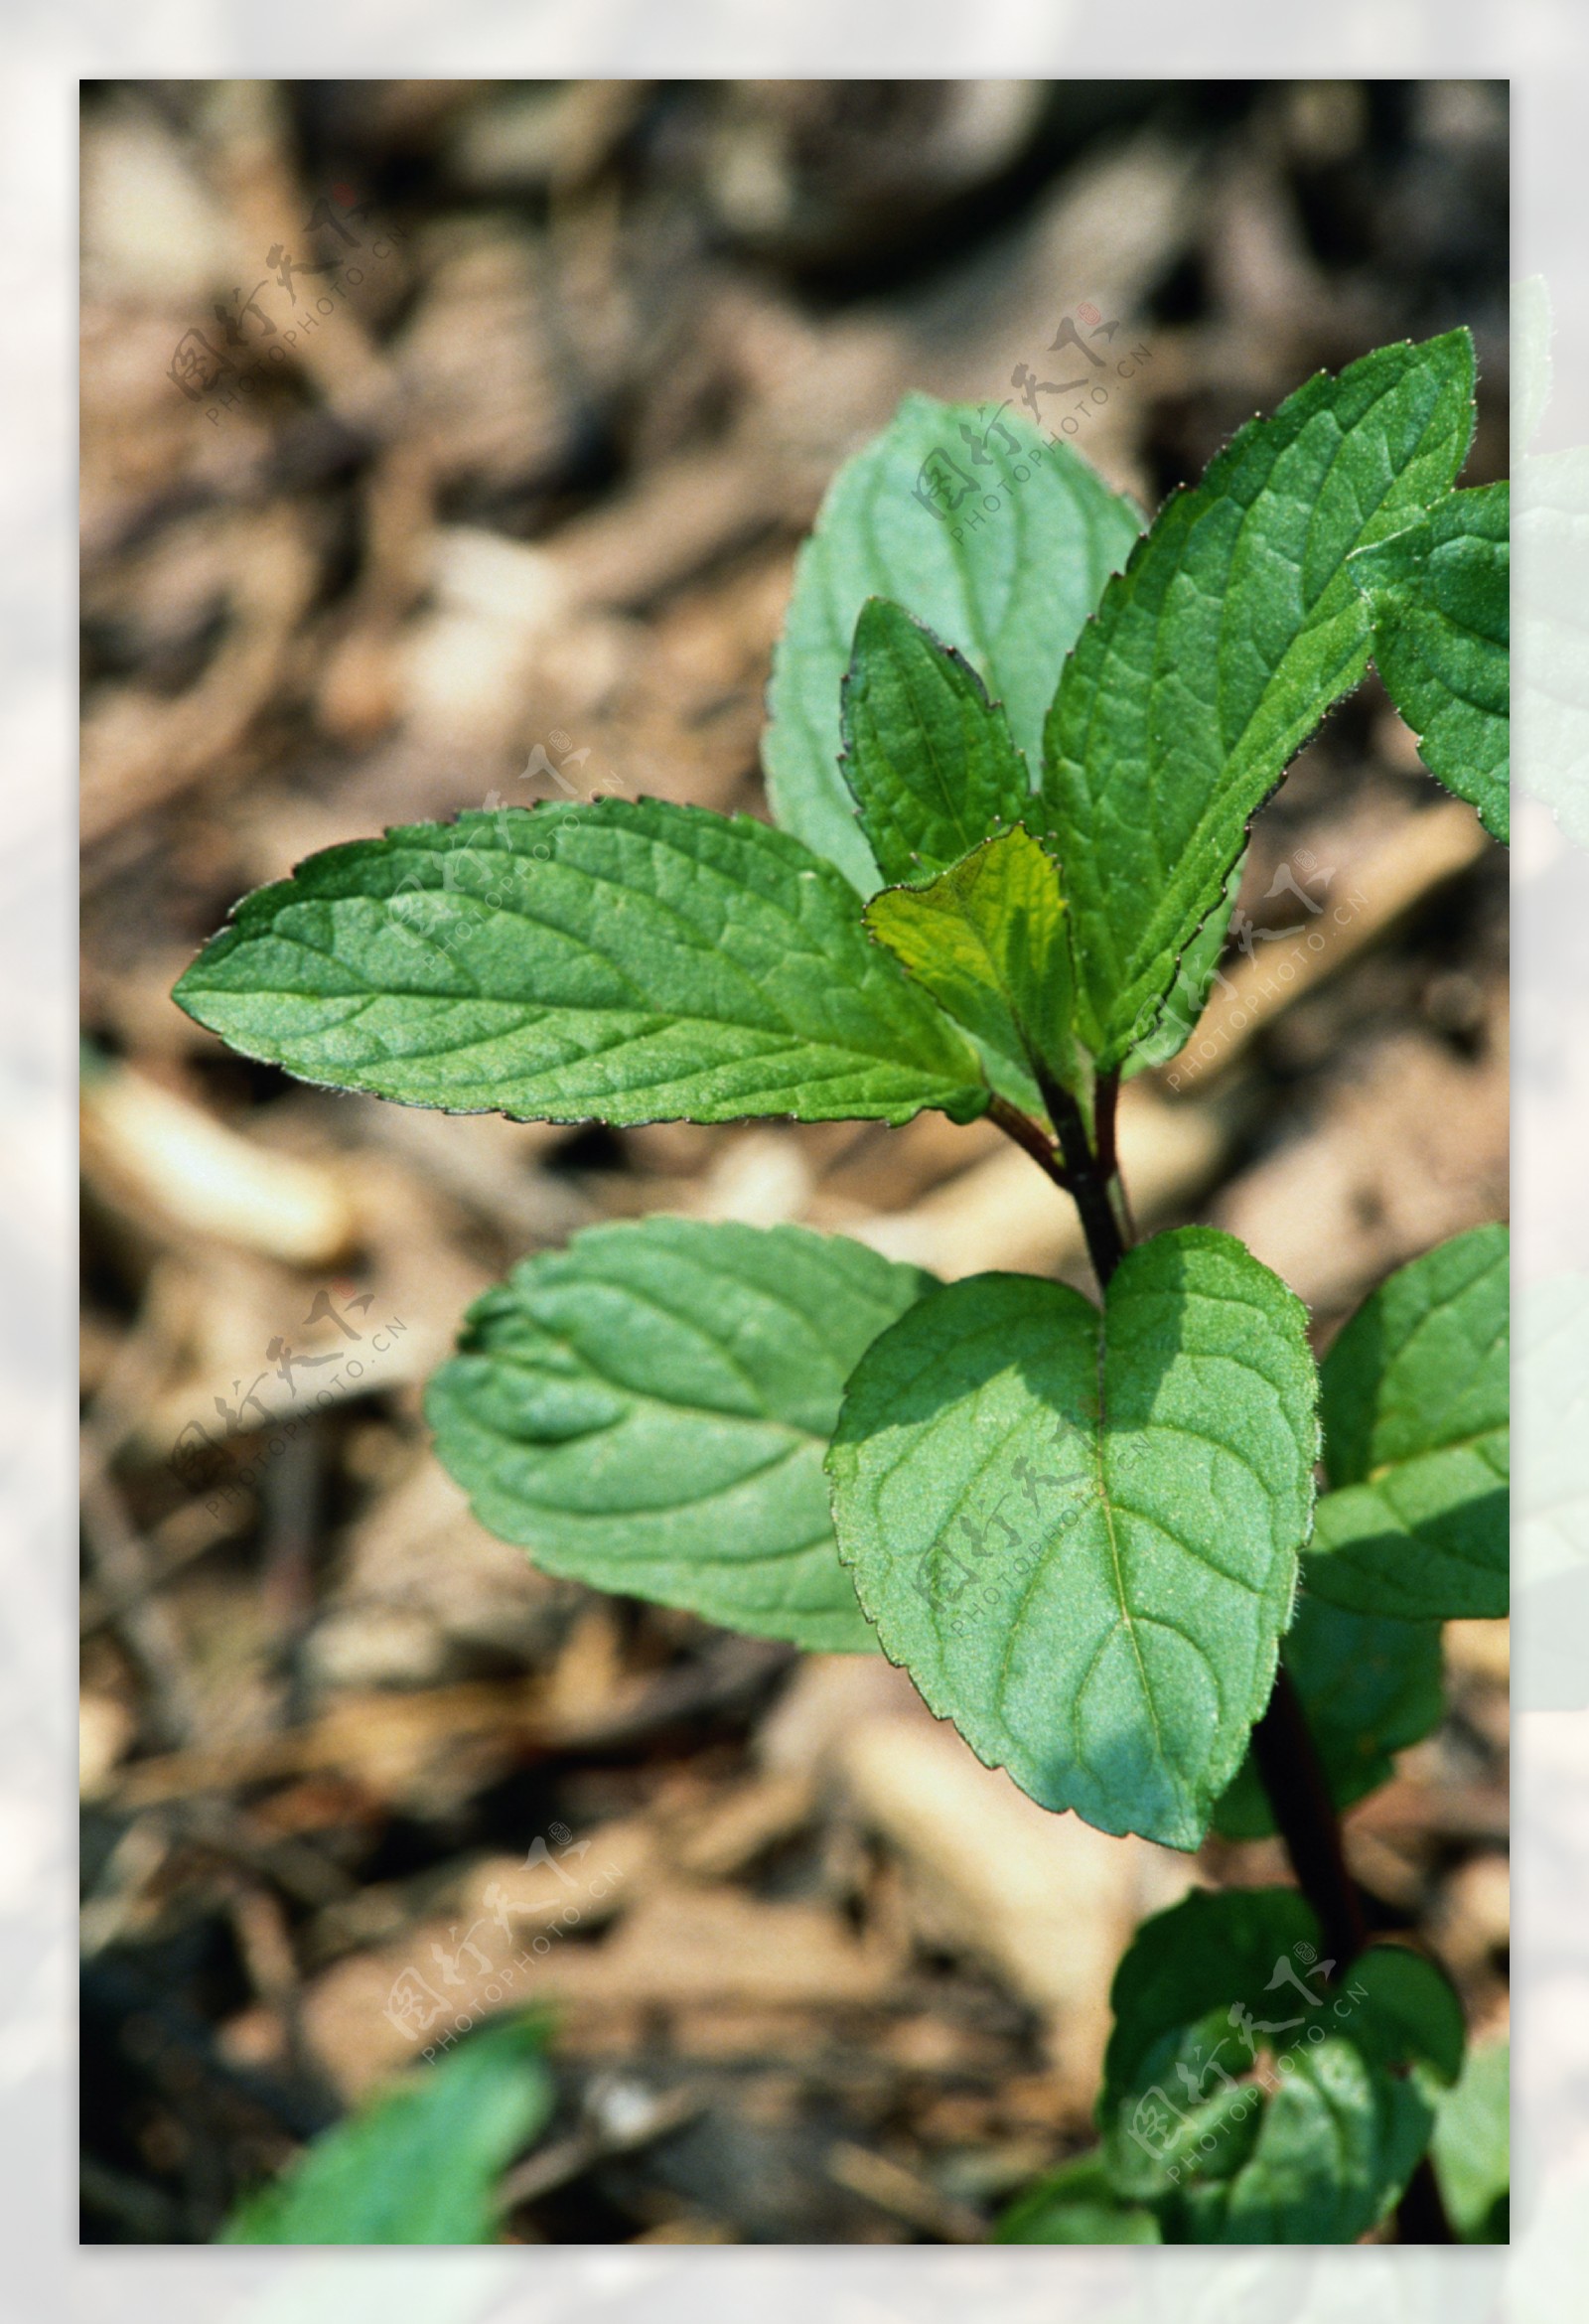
1014,764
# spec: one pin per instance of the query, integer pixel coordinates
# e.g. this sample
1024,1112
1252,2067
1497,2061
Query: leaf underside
1081,1536
1009,588
1213,657
626,962
646,1411
1415,1394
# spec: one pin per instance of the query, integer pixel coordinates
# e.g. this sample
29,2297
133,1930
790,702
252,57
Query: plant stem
1088,1178
1027,1136
1284,1752
1291,1773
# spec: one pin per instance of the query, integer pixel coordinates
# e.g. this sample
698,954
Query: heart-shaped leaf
1415,1441
998,541
648,1411
1079,1532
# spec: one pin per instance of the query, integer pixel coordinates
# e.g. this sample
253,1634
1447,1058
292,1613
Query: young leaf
1076,2205
1440,595
1248,2098
1079,1532
928,757
1414,1399
648,1411
1335,2148
419,2163
624,961
1208,1954
1370,1687
988,941
1009,585
1216,653
1472,2147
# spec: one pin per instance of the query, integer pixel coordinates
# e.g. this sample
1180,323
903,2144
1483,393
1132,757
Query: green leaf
1170,1024
1440,594
926,755
1412,2014
648,1411
1009,586
1472,2147
1217,651
1335,2148
1079,1534
1250,2099
1076,2203
988,941
1370,1686
419,2163
1414,1399
622,961
1207,1954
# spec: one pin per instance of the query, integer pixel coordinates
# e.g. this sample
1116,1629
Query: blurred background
443,444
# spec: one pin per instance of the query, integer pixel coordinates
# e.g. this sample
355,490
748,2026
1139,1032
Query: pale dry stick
1421,853
648,2119
904,2194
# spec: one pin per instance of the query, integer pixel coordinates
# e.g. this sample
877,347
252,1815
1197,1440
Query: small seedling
1014,761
